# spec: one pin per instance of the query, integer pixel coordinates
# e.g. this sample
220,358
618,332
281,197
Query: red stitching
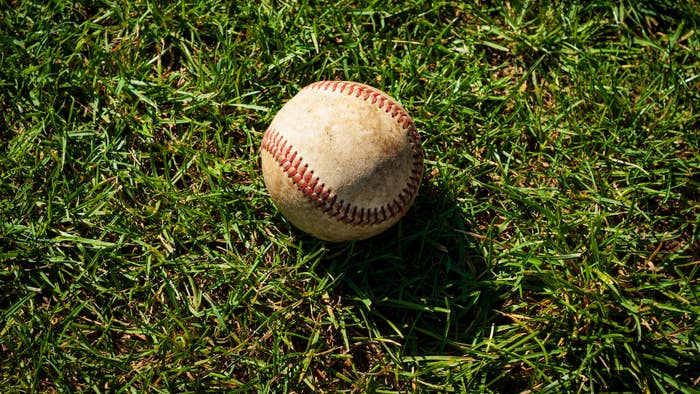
291,162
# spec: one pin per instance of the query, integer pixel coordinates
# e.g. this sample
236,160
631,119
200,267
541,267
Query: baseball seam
311,186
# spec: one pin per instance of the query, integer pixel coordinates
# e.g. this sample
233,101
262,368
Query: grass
554,246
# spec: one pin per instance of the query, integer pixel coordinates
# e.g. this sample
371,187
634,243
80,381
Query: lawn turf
554,246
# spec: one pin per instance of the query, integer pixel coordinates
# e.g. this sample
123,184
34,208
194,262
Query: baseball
342,160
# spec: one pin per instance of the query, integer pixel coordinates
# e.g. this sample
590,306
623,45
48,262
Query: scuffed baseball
342,160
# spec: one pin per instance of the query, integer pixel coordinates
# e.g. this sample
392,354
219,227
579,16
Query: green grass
554,246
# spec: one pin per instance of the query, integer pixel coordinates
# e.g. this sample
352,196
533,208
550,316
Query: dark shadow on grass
423,283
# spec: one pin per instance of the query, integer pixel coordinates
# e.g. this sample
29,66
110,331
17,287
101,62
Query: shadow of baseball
423,284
